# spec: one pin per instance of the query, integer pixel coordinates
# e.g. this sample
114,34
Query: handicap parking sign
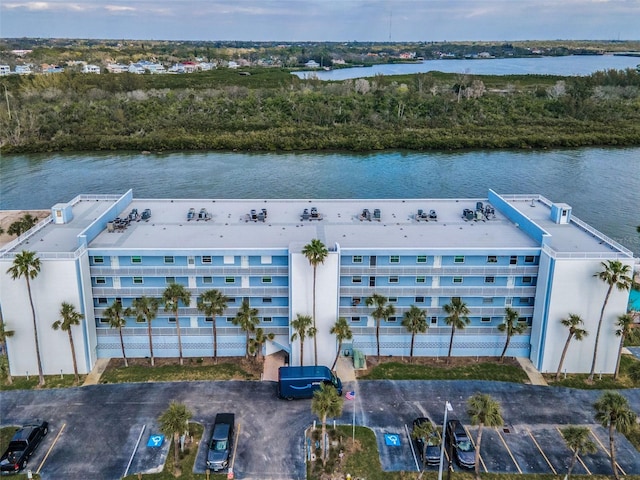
392,439
155,440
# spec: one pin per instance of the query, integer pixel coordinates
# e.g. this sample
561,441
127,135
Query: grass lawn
50,381
606,382
6,434
438,369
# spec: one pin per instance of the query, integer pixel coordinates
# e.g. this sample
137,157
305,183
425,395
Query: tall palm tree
70,317
424,431
343,332
115,314
258,340
614,274
625,325
511,327
457,312
572,322
302,329
4,334
173,422
483,410
247,319
415,321
381,311
26,264
613,412
173,295
213,303
316,253
326,403
577,439
145,309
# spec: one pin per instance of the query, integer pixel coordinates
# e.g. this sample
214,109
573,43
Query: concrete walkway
98,369
345,370
271,365
535,377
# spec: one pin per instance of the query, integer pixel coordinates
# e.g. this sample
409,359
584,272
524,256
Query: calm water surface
602,185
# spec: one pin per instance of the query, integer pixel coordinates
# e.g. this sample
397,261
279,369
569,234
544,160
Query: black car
428,448
463,450
221,441
22,446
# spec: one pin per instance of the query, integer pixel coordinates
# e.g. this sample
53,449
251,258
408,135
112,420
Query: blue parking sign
392,439
155,440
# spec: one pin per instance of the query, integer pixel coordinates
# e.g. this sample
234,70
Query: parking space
496,456
627,457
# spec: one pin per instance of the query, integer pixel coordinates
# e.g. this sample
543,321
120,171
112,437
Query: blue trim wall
92,231
516,216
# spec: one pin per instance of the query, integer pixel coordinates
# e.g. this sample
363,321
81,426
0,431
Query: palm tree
457,312
342,331
423,430
613,411
483,410
302,329
173,422
213,303
4,334
145,309
326,403
511,326
115,314
624,324
578,440
316,253
415,321
70,318
27,265
247,319
256,343
381,311
172,296
615,274
572,322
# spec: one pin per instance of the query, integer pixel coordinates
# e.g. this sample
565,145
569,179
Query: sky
323,20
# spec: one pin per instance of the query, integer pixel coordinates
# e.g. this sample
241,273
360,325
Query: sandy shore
7,217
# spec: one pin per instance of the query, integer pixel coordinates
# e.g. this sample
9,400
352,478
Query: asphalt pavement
108,430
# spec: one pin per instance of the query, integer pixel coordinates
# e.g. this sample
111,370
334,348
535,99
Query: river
566,66
601,184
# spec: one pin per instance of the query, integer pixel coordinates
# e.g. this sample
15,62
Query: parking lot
104,431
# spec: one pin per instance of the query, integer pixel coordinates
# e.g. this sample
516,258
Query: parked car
221,442
428,448
21,447
463,450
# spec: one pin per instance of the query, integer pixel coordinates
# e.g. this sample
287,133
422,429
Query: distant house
91,69
232,64
206,66
189,67
23,69
21,53
51,68
312,64
136,68
4,70
117,68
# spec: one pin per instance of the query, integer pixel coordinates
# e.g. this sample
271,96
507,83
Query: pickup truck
22,446
221,442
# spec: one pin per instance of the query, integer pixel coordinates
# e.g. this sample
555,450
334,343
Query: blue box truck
301,382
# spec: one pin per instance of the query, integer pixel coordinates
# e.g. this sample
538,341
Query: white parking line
541,452
474,446
579,459
134,451
415,456
50,448
509,451
605,450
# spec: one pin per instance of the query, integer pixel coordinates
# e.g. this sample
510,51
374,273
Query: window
119,300
267,320
508,301
458,259
527,279
421,259
191,260
421,279
102,320
140,319
355,301
372,281
455,299
137,281
392,319
207,279
97,260
487,300
101,280
356,279
231,300
393,279
489,279
526,300
393,299
172,319
102,301
513,260
229,320
529,259
208,319
169,259
229,280
492,259
355,319
267,299
266,279
434,320
419,299
394,259
206,259
357,259
457,279
136,259
485,319
169,279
